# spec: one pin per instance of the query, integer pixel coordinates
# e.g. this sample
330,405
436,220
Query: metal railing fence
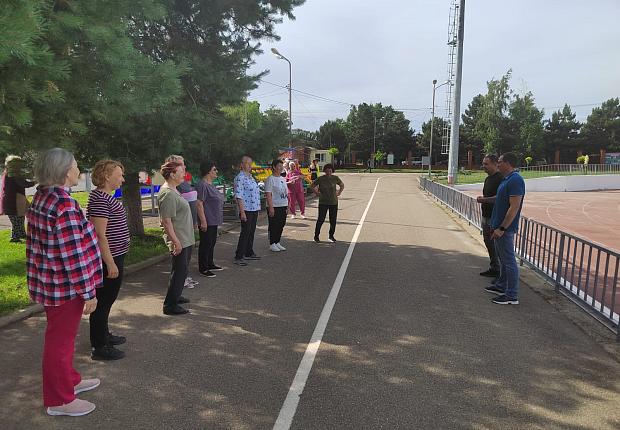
584,271
571,169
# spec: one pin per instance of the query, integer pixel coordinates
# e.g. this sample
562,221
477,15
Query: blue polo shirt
512,185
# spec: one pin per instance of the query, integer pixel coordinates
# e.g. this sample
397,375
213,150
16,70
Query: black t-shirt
491,184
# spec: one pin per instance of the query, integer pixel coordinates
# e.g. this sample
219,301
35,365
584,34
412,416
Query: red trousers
296,194
59,376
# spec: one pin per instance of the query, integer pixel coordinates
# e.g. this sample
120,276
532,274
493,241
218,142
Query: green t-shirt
173,206
327,189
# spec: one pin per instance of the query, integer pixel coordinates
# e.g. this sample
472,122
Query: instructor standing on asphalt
247,195
487,201
505,223
325,188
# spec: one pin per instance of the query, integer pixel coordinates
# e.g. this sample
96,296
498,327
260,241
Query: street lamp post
290,88
430,147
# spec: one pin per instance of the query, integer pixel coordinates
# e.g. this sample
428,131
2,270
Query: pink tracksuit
296,191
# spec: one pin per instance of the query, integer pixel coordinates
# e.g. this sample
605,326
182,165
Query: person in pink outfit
295,182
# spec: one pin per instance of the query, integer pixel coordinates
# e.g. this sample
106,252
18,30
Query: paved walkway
412,342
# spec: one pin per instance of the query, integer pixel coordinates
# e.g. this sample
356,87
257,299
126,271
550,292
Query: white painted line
287,412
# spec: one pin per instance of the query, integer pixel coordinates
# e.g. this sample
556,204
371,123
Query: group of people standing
501,203
75,260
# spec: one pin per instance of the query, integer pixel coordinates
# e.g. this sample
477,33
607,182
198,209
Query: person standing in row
314,170
13,195
189,194
505,223
176,220
63,269
108,216
210,215
295,182
276,193
325,188
247,195
487,200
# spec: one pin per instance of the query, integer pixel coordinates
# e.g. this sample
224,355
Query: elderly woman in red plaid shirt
63,269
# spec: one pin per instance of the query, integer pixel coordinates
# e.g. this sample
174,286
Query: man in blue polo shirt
505,223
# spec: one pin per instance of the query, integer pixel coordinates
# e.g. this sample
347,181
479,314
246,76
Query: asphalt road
413,341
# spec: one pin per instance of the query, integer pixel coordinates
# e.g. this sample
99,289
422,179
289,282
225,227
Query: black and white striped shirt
103,205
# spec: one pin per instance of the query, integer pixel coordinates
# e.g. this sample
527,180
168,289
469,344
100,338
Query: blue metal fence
583,271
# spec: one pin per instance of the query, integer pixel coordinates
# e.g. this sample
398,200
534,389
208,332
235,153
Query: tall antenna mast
452,45
453,160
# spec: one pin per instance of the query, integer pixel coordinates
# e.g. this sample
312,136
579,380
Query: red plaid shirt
62,254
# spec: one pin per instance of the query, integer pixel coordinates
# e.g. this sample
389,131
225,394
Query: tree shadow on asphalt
419,346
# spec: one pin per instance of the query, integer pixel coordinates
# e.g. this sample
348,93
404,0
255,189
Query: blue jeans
509,270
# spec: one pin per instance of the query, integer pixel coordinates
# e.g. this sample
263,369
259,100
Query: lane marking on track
287,412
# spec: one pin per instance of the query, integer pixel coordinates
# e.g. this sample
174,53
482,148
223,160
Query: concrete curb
21,314
35,308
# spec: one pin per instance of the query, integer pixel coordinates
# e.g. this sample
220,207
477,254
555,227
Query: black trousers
17,227
206,247
276,224
333,217
106,296
245,246
490,244
180,269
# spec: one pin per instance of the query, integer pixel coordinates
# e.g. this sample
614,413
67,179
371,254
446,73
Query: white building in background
323,155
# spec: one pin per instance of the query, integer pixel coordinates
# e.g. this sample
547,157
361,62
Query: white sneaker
76,408
281,247
86,385
292,216
190,283
303,216
274,247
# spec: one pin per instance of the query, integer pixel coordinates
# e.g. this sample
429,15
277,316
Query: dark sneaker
175,310
252,257
240,262
332,239
15,241
316,239
215,268
107,352
494,289
505,300
208,274
182,300
116,340
490,273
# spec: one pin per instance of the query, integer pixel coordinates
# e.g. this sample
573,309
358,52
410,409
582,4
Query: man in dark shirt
491,184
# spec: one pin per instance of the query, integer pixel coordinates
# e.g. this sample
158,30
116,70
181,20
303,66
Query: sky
389,51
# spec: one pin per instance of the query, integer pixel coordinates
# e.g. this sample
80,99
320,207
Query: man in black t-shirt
487,200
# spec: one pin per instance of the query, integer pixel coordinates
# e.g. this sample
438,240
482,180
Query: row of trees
496,122
366,127
135,80
501,121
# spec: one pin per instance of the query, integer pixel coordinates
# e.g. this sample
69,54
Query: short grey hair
51,167
175,157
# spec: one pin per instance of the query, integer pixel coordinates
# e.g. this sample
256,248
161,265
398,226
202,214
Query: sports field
593,215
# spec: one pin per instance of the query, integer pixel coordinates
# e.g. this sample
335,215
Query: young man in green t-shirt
325,188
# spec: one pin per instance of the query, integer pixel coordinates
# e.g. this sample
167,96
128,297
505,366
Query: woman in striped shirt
110,221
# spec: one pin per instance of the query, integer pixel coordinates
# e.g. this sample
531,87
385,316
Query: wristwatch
502,228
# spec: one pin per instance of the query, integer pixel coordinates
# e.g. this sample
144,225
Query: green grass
381,170
478,176
13,290
81,197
